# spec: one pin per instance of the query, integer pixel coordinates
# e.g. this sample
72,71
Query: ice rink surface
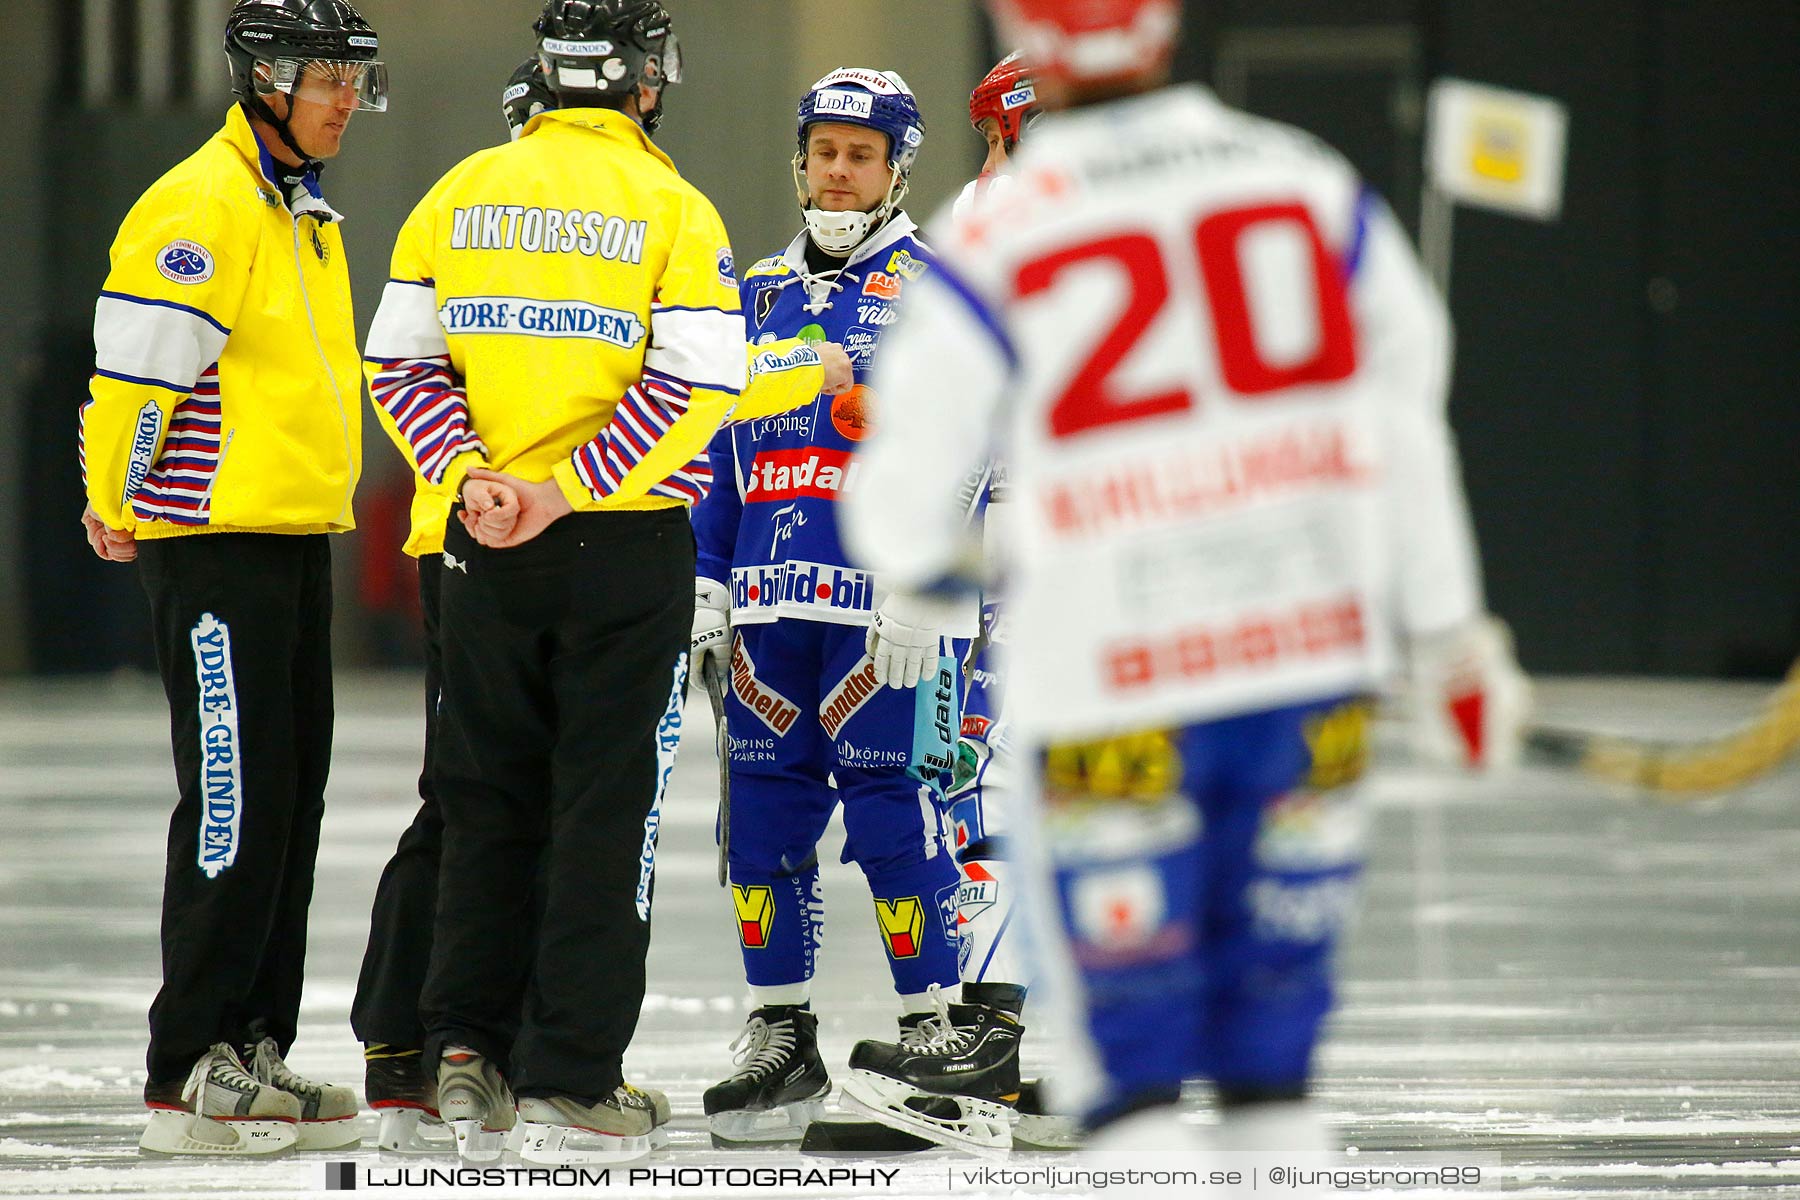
1602,989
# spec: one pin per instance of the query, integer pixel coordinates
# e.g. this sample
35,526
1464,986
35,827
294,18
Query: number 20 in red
1093,399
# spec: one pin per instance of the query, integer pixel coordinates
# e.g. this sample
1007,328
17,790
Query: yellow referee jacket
225,387
565,306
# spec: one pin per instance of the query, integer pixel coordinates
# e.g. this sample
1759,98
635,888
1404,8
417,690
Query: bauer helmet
526,96
1091,41
270,43
1007,96
878,100
599,51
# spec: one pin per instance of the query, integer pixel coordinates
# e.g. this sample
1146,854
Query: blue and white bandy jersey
772,539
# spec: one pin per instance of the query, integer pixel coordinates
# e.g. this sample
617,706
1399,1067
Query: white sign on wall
1496,148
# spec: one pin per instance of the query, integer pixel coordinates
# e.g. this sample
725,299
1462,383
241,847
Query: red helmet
1090,41
1007,96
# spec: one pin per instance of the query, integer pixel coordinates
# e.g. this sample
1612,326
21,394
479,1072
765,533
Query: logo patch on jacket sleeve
185,262
727,268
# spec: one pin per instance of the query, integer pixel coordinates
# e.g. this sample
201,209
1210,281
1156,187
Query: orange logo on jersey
882,285
902,925
755,913
853,412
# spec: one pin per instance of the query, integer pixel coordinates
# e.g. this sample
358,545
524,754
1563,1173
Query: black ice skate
404,1095
782,1085
959,1089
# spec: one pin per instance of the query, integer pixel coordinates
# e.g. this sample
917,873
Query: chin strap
849,233
257,105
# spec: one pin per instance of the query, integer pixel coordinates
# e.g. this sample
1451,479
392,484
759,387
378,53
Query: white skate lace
219,1067
267,1064
764,1046
940,1034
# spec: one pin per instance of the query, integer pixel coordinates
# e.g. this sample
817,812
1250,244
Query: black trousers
242,623
563,666
386,1008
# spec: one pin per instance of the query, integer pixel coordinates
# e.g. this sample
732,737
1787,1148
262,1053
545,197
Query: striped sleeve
643,418
149,440
418,394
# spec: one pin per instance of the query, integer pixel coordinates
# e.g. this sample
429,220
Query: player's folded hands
518,511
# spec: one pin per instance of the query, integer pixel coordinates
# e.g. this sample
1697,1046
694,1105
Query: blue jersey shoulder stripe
1366,201
424,283
977,307
128,298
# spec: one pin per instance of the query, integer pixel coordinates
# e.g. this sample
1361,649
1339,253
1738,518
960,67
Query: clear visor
334,83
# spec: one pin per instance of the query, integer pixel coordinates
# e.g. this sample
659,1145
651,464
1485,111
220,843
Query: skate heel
172,1131
411,1130
783,1123
571,1146
476,1143
474,1102
967,1122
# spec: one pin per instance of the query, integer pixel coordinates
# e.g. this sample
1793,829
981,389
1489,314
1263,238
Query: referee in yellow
220,448
560,338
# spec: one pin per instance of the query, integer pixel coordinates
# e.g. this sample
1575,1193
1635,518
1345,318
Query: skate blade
985,1127
1046,1132
185,1133
338,1133
477,1144
783,1123
567,1146
860,1137
413,1131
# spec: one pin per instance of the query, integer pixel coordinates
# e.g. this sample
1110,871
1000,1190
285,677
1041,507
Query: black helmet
526,96
596,48
284,35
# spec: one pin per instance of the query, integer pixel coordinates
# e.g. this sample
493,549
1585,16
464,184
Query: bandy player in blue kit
813,643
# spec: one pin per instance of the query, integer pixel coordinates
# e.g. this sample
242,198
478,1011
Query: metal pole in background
1437,227
97,52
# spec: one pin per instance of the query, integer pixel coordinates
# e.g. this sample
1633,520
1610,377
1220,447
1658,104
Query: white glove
903,638
1470,699
712,626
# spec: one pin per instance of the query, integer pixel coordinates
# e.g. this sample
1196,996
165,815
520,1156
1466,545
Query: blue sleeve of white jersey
716,517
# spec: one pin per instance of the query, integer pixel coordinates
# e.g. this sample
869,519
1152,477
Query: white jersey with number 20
1218,375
